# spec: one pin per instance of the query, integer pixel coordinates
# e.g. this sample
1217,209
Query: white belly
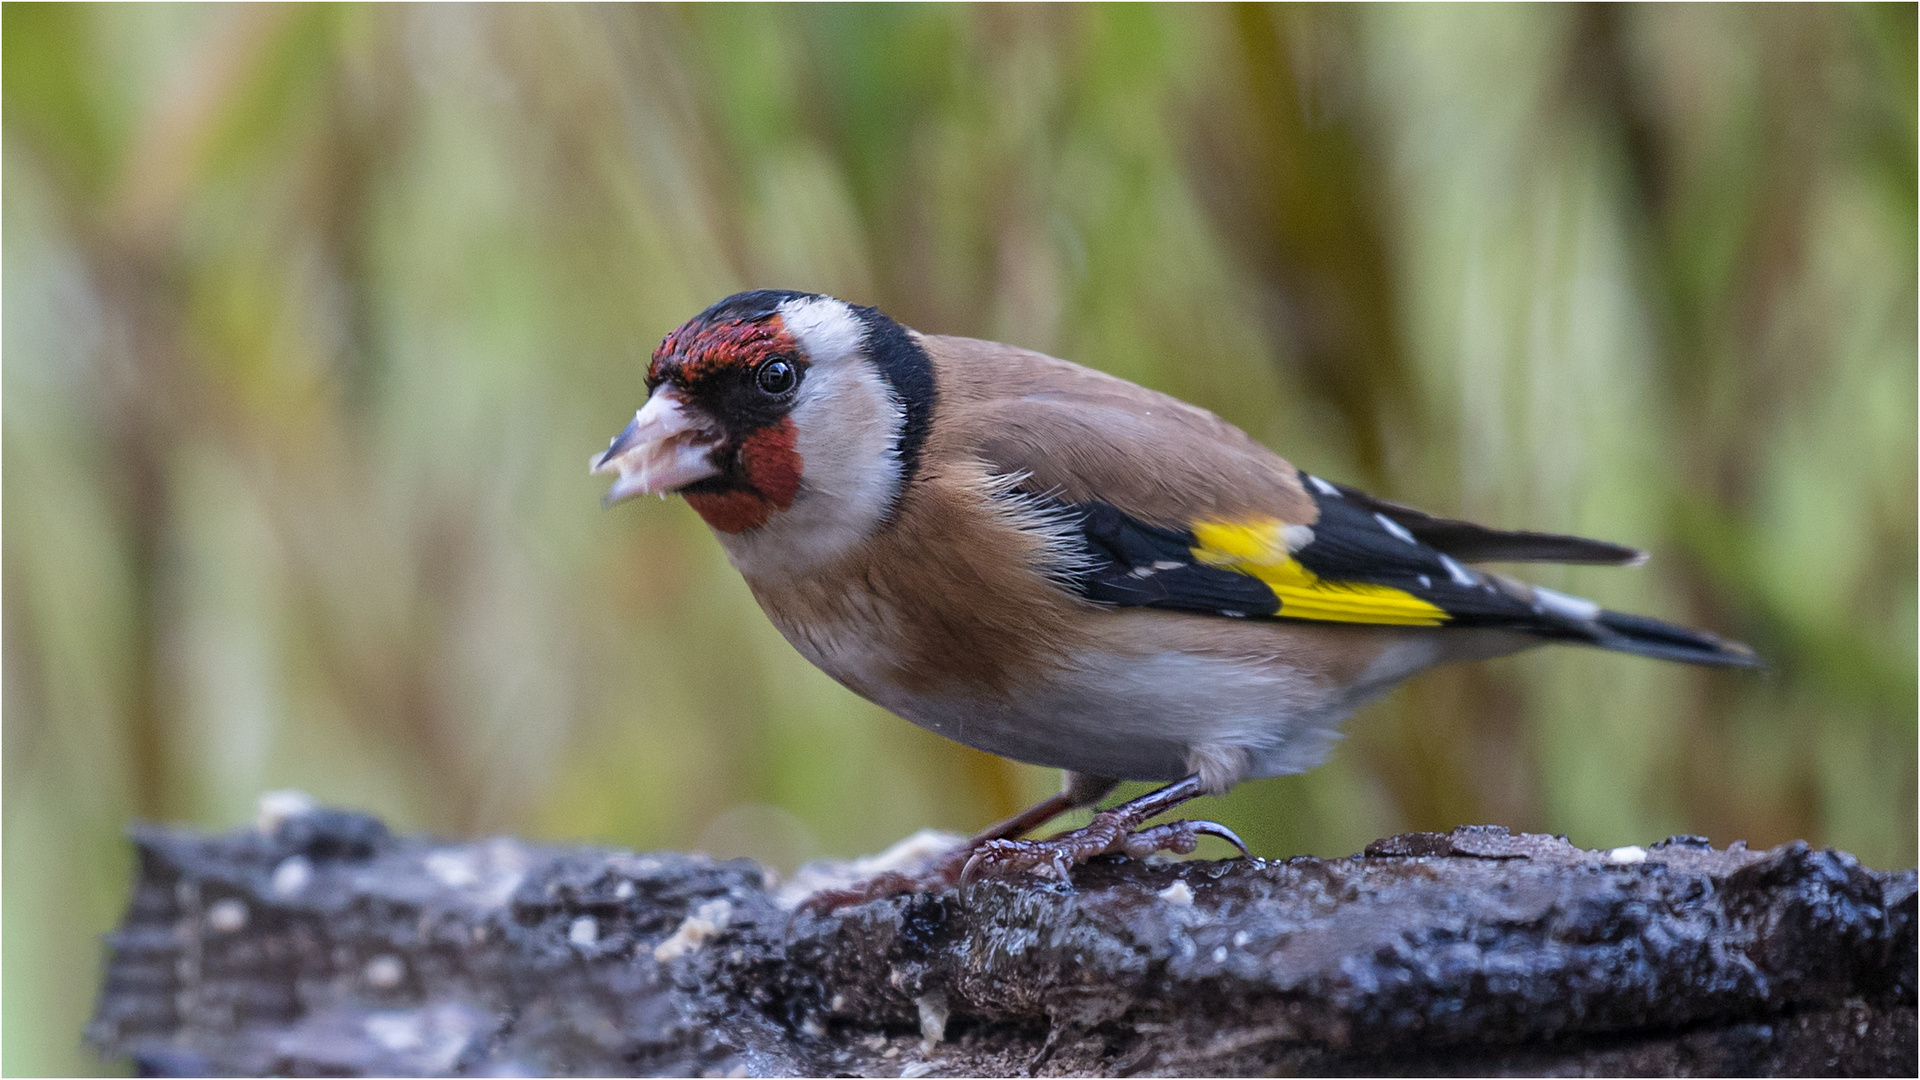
1153,718
1154,710
1158,717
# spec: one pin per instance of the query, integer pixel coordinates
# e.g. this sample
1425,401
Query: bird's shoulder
1083,437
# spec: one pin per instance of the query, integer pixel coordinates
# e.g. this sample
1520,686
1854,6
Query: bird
1058,566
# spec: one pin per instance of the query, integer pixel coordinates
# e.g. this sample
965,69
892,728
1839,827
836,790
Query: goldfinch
1061,567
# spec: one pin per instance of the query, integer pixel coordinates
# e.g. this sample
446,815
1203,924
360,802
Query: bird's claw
1107,834
970,872
1118,831
1219,831
1181,838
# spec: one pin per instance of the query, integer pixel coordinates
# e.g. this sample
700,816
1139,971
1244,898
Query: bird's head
769,401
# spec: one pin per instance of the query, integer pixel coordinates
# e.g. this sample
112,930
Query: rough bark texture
319,944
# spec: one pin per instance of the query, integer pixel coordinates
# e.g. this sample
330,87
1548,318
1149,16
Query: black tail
1665,641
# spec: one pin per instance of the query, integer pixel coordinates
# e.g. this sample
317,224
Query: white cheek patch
846,424
846,428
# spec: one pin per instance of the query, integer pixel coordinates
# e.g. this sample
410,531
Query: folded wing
1179,510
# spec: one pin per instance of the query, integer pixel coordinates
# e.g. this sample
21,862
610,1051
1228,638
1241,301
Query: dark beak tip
617,444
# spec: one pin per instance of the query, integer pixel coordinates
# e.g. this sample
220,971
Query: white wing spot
1323,487
1426,582
1460,574
1570,607
1296,536
1395,529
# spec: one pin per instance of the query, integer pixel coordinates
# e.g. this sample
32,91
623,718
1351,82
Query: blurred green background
313,316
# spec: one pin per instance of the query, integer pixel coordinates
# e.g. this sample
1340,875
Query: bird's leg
1111,832
1076,790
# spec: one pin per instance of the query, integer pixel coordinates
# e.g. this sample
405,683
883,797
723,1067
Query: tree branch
317,943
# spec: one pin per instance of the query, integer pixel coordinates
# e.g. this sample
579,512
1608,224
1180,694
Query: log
318,943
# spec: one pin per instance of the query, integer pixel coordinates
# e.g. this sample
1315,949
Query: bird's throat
769,479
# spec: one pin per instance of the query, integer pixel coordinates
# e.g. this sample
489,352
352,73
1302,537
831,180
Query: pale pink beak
667,446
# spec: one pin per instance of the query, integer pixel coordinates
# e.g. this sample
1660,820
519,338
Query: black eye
775,377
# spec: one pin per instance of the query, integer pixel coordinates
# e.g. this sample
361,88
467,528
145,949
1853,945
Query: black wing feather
1468,542
1140,565
1131,563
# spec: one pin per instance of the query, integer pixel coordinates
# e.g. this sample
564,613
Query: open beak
666,447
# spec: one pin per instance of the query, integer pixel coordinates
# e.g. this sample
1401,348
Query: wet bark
317,943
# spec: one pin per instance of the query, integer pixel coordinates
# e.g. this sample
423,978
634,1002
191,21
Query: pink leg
1111,832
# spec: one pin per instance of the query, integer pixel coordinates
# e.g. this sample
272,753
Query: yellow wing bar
1259,548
